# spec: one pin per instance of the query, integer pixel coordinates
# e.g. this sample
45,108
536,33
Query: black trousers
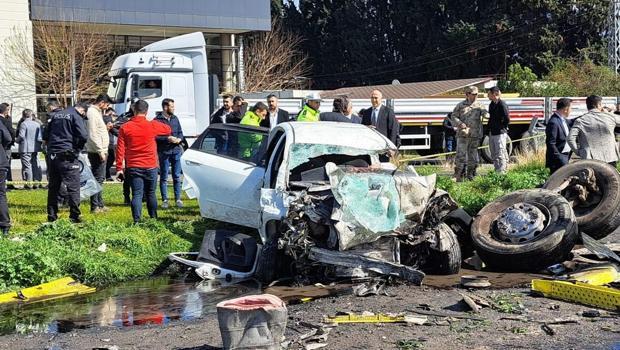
5,220
110,161
98,168
63,169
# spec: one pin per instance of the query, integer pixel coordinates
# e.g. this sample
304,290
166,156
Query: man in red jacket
136,147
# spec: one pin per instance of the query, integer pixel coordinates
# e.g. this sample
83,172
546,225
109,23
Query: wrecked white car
322,202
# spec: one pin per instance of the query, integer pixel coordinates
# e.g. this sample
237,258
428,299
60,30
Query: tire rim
520,223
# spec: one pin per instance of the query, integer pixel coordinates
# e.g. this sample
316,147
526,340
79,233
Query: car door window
243,145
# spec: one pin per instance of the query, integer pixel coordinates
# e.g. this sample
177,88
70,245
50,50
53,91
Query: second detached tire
602,217
552,236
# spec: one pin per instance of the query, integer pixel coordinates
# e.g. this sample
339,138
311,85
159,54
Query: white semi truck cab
173,68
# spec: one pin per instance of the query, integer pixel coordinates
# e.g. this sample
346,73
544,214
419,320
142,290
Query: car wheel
526,230
485,153
446,261
593,190
460,223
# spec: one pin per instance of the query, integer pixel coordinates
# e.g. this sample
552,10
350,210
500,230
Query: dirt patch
517,324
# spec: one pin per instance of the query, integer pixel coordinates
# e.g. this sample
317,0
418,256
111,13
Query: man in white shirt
97,146
275,115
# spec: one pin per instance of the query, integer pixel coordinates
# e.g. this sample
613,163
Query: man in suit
381,118
275,114
29,137
556,132
592,135
341,112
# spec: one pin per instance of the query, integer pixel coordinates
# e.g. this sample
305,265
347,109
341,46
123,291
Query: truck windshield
116,90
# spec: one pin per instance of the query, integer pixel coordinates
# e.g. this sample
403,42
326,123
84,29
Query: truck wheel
526,230
447,261
485,153
597,207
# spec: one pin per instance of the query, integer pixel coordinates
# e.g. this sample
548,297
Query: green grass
37,252
474,195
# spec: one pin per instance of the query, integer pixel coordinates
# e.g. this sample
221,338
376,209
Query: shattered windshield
302,152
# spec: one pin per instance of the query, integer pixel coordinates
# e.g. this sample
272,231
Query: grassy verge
529,172
37,252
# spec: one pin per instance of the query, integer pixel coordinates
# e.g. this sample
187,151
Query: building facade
130,25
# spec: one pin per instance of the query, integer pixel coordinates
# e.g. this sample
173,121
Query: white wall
17,84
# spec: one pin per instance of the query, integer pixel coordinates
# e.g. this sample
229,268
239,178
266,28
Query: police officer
467,117
65,136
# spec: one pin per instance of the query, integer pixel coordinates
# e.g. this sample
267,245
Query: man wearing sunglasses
467,117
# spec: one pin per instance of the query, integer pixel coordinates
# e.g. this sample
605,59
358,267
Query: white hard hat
315,96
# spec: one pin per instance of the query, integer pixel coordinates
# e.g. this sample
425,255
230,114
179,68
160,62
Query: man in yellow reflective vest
250,143
310,111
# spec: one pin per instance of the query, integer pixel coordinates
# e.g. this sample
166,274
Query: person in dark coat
276,115
382,118
109,118
5,167
7,120
169,151
226,113
558,152
342,108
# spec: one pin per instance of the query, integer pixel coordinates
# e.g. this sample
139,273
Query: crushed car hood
371,203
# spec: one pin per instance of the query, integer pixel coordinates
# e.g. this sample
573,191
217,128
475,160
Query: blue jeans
142,182
172,161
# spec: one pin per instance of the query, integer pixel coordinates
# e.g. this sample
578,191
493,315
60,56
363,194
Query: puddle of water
153,301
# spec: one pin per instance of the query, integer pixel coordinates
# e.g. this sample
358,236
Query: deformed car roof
337,134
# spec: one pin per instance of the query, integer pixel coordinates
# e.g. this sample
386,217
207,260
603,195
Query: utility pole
614,35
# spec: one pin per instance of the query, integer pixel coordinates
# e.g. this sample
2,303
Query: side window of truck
149,87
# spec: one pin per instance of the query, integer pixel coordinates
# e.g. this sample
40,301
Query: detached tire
551,245
485,153
266,266
602,218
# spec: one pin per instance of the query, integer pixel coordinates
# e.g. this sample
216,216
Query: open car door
224,170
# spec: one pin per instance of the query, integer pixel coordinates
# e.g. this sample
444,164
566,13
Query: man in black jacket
382,118
275,114
64,136
169,151
7,120
499,119
342,108
226,113
5,168
558,152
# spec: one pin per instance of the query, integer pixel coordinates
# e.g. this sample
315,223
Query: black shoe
76,220
5,231
10,187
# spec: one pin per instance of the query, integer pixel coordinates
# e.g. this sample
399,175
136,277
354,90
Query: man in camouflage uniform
467,117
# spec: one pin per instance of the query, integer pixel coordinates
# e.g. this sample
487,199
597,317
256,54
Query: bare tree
66,61
274,60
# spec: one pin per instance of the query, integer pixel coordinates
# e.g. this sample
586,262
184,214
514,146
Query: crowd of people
590,136
142,150
145,151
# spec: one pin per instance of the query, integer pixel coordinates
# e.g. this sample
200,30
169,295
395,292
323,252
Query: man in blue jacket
169,150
